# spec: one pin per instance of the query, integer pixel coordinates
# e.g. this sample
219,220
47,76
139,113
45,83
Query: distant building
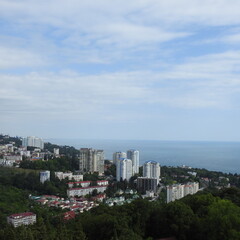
98,161
56,151
72,192
69,215
124,169
25,153
87,183
33,142
178,191
147,184
118,155
10,160
102,183
134,156
69,175
82,183
21,219
44,176
91,160
77,177
191,188
151,169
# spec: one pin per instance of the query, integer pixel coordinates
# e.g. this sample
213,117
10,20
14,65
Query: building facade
178,191
33,142
82,183
151,169
124,169
147,184
98,161
118,155
134,156
56,151
91,160
69,175
72,192
19,219
44,176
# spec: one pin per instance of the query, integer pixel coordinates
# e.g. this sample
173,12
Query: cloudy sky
115,69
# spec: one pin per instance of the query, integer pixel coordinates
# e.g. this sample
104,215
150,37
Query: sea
214,156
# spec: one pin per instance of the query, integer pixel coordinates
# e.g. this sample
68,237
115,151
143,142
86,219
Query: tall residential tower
151,169
118,155
134,156
124,169
91,160
33,142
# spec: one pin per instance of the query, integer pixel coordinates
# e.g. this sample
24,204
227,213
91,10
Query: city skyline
150,70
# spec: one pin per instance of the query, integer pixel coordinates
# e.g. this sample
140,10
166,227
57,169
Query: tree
223,221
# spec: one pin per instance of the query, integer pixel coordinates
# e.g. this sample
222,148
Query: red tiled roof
69,215
50,196
74,207
21,215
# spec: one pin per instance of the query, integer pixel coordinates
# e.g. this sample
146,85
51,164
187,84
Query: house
69,215
19,219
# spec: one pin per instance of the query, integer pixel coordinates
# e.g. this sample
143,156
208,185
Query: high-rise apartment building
33,142
98,161
151,169
91,160
147,184
124,169
134,156
118,155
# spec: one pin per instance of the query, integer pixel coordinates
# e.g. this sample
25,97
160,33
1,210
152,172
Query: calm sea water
218,156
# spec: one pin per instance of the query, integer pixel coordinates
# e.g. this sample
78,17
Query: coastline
214,156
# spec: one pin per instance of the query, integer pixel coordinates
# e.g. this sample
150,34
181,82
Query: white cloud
86,15
104,32
15,57
209,81
232,39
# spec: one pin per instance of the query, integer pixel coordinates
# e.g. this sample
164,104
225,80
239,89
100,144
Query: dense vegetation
5,139
57,164
172,175
197,217
65,150
30,180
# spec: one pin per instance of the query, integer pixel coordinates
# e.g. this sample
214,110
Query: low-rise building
69,215
102,183
69,175
63,175
82,183
72,192
44,176
19,219
178,191
77,177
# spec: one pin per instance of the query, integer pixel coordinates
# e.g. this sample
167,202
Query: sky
115,69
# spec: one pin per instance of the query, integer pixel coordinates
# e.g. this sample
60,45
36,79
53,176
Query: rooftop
22,215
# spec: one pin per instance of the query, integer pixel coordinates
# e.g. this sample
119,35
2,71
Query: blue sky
139,69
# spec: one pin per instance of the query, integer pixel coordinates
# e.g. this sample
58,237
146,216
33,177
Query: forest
206,215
